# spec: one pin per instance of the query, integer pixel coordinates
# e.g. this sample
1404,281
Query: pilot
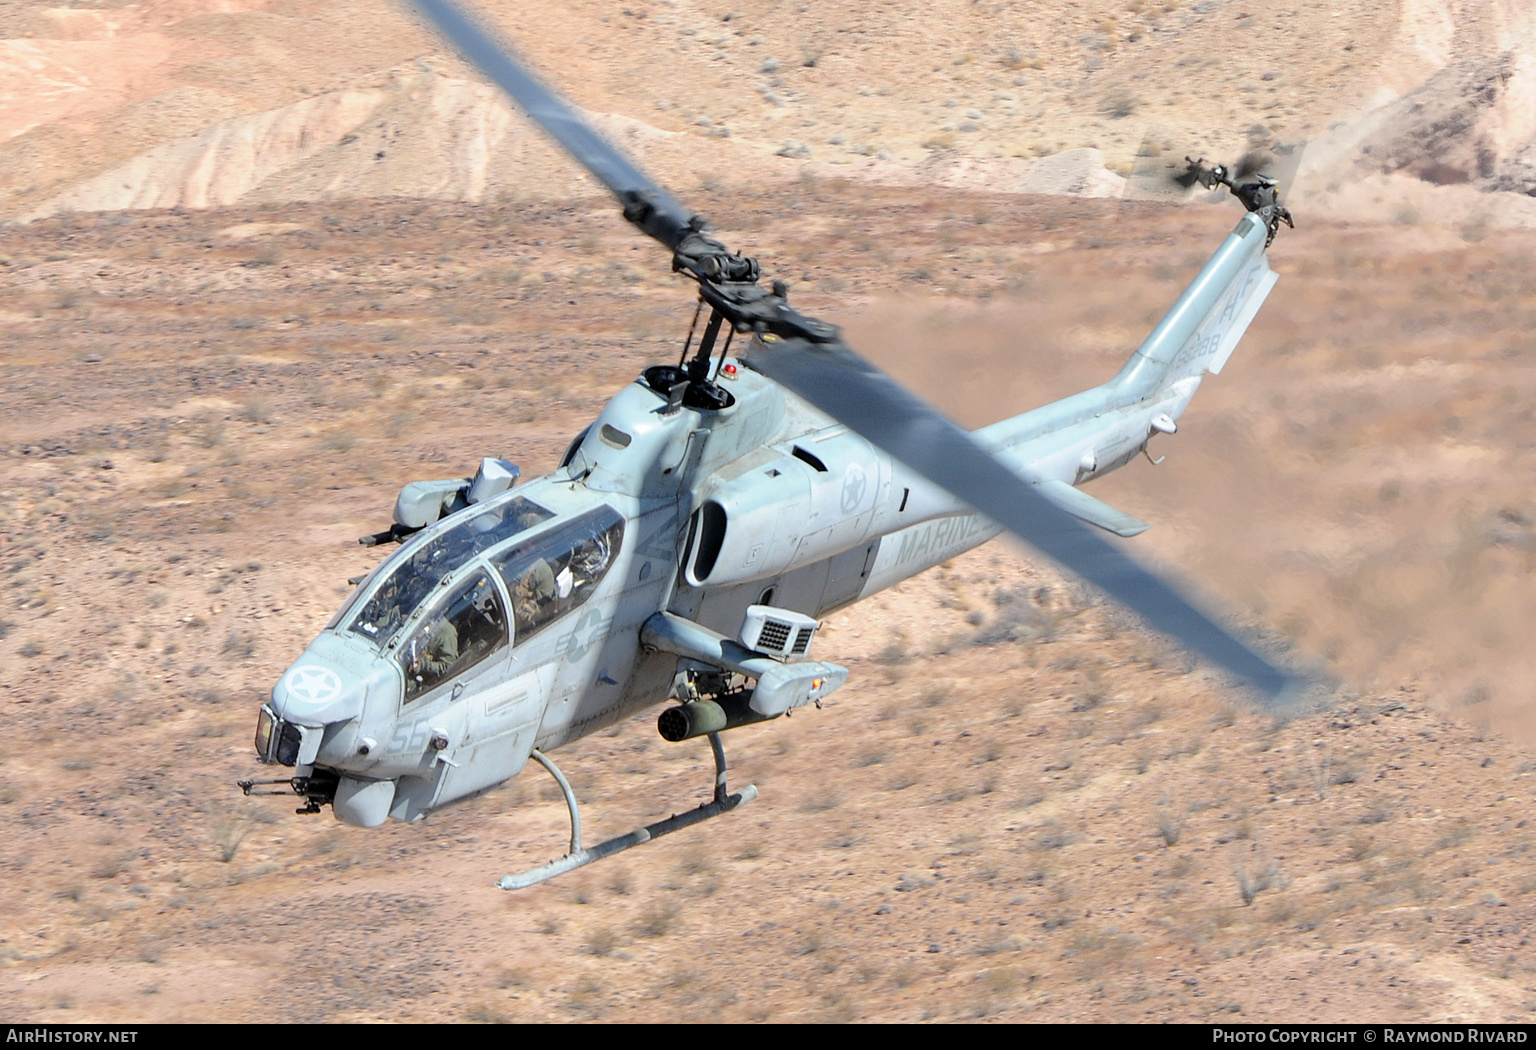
439,654
535,590
383,613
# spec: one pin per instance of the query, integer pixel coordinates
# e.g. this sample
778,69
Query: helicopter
696,533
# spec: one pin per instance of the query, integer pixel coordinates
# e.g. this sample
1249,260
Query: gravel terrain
1023,806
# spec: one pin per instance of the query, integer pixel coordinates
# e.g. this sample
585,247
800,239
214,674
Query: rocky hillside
195,103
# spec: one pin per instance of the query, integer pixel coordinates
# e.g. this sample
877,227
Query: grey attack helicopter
697,530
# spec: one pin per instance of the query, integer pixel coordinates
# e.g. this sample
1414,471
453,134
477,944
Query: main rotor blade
851,390
645,203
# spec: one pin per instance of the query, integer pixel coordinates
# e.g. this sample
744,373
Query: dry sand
1023,806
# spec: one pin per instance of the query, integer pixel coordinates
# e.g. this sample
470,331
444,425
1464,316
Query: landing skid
579,857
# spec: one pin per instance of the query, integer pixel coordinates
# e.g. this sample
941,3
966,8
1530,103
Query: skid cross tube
578,857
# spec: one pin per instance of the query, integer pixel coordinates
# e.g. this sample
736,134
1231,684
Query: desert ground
1024,805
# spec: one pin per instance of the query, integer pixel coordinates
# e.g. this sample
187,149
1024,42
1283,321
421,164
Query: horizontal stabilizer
1084,507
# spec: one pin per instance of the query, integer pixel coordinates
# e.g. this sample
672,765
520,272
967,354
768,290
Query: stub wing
1084,507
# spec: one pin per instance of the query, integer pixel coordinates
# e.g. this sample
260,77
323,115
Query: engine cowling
816,500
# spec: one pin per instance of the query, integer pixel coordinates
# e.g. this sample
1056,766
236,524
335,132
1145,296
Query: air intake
710,533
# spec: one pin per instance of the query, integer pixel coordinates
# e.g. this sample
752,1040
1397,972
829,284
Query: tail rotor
1259,178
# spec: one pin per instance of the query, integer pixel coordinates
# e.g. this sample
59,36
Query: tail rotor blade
1285,162
1158,172
1254,162
851,390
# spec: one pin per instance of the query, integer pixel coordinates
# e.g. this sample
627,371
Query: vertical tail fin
1201,330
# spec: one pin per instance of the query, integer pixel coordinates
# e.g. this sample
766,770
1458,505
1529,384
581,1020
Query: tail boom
1203,328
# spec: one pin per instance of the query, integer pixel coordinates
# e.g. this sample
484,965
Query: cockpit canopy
543,576
549,575
425,562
